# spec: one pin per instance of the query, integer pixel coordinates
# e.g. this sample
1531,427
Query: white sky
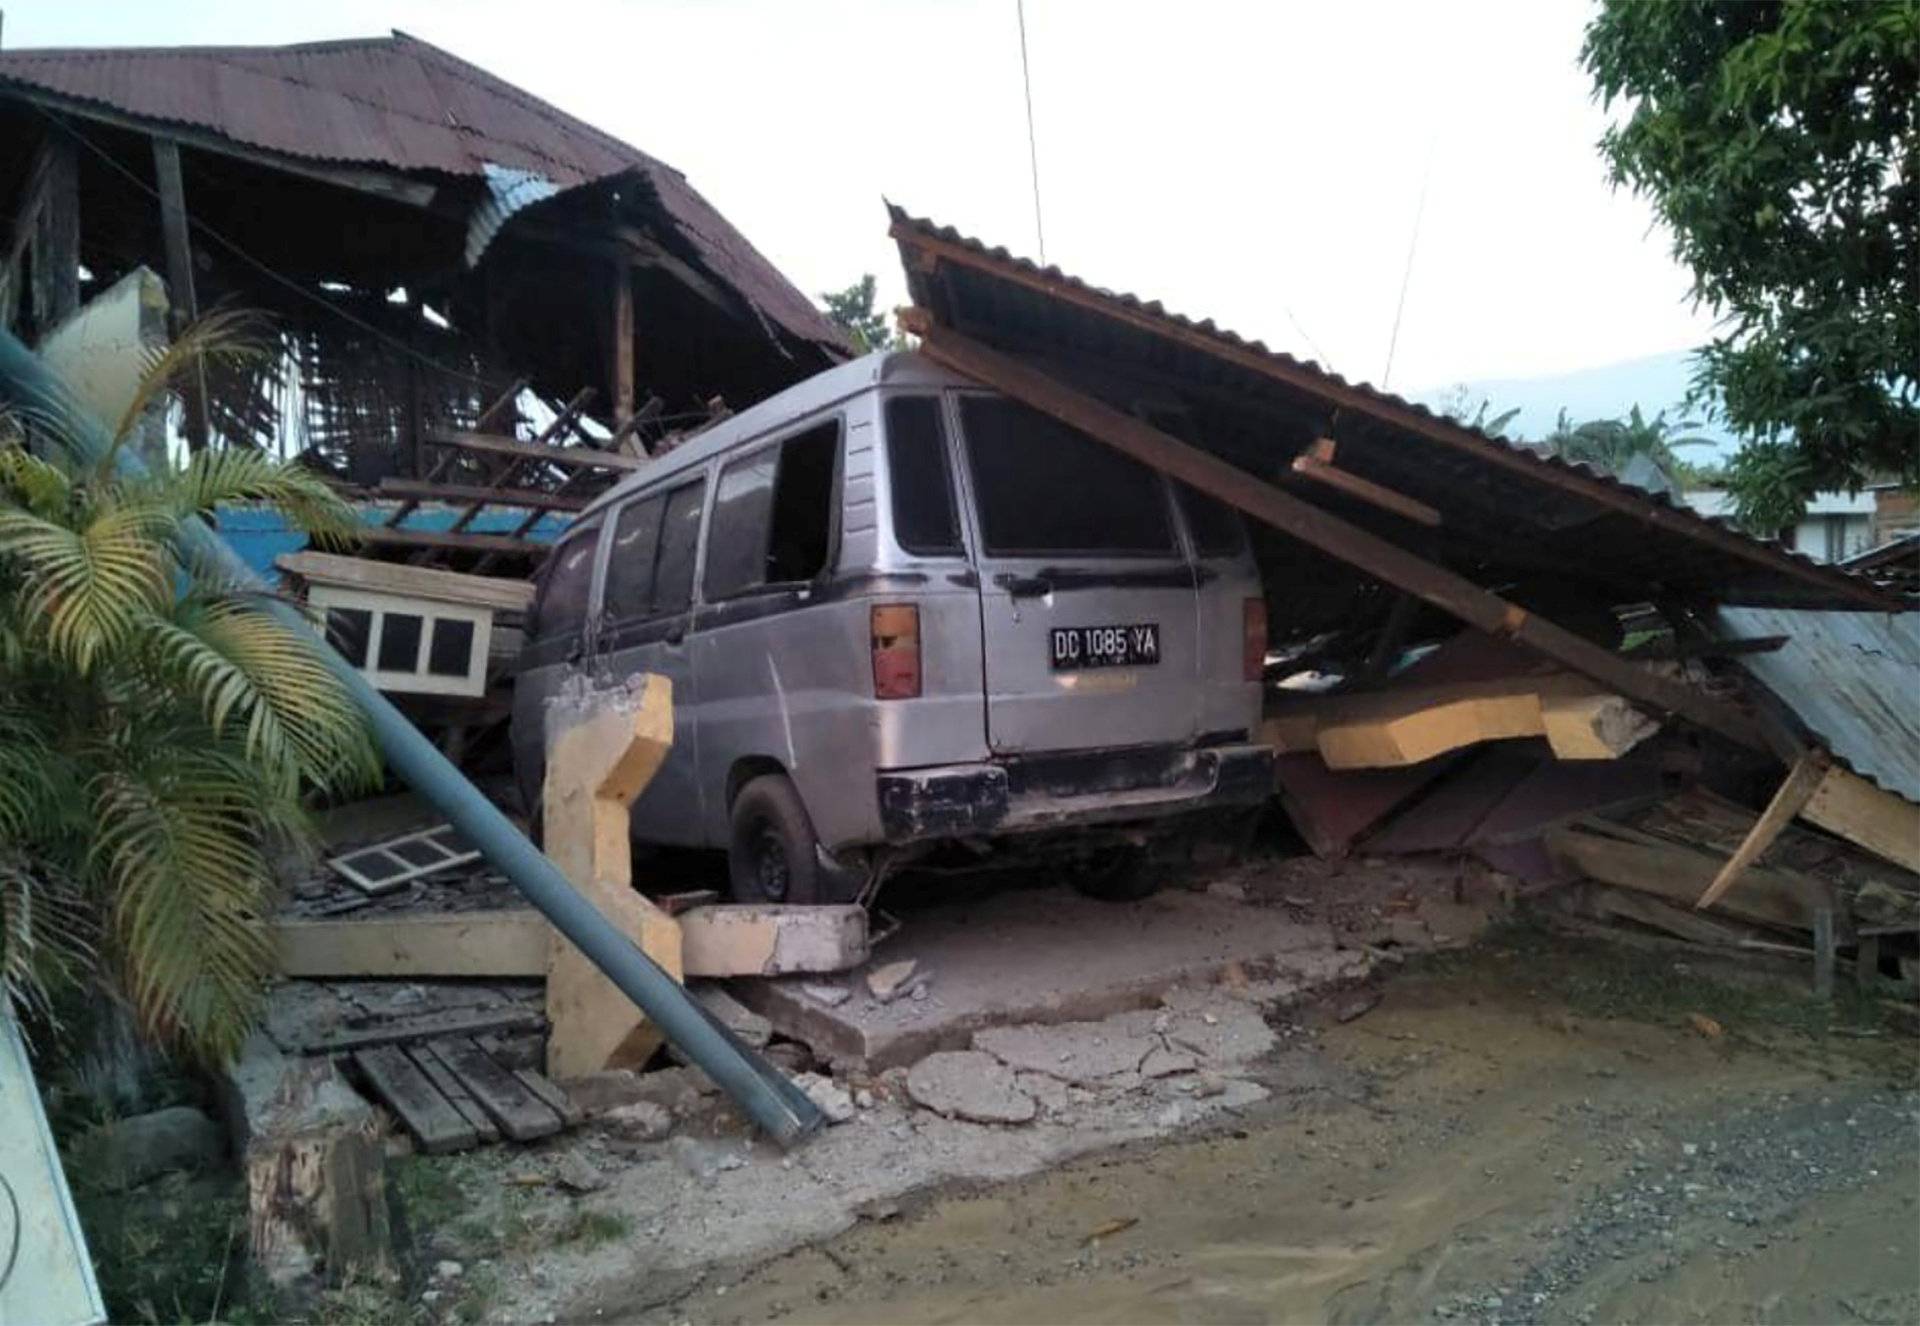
1234,161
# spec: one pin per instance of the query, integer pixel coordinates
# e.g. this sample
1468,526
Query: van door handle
1024,587
677,632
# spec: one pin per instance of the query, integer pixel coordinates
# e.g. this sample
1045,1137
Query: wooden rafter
1385,561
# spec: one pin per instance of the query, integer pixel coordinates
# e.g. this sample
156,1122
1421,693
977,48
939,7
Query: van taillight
896,651
1253,639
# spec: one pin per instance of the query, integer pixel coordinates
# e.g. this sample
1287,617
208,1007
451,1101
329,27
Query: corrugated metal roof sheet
400,103
1852,677
1585,518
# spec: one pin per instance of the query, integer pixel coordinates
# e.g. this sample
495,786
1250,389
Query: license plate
1074,647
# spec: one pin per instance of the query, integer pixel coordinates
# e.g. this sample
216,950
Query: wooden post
1320,529
56,236
180,292
603,748
620,380
1793,793
1823,954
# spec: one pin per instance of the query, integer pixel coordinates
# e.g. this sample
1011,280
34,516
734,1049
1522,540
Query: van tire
772,853
1121,874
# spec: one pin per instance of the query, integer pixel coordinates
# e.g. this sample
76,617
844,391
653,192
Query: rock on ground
969,1084
830,1096
1081,1052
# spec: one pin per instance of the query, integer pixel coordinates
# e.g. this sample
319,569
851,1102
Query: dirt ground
1538,1130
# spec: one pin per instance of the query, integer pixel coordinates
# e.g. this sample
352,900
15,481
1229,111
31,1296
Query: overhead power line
1033,150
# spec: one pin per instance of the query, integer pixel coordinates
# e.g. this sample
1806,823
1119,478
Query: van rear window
1044,489
924,520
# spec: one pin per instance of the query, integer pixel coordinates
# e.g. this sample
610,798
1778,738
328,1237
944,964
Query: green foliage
852,308
1777,140
1613,444
1460,407
157,734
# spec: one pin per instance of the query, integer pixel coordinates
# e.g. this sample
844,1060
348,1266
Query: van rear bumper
1055,791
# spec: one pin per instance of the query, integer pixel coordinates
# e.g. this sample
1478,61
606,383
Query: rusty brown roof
397,103
1497,493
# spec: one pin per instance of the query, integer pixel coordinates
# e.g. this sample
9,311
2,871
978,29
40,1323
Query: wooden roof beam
1384,561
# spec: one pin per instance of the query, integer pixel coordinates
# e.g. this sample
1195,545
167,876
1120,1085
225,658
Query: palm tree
1614,444
157,730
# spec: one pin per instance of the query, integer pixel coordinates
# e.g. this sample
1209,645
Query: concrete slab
1044,956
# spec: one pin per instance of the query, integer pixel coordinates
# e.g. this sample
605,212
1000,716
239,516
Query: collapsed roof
330,176
1553,533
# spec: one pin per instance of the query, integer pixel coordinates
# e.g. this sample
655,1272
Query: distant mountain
1654,383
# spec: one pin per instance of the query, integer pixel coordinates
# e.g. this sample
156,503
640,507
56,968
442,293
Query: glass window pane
924,519
1046,490
1215,526
399,642
630,562
347,631
679,542
802,521
450,652
560,607
737,552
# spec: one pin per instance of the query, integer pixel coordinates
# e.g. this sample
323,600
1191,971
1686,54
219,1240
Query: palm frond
88,586
44,489
229,335
46,933
243,668
179,847
219,477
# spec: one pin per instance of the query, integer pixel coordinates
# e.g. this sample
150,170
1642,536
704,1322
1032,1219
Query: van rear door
1087,603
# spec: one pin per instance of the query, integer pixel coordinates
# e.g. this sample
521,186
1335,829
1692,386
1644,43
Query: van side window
560,607
1215,526
630,562
1046,489
924,519
773,514
679,542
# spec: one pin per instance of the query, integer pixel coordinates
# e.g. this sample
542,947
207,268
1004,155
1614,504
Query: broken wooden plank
1613,854
1378,557
1317,463
521,1115
561,1103
464,1022
1661,915
400,1085
505,943
1799,785
422,490
454,1090
449,541
1847,805
574,457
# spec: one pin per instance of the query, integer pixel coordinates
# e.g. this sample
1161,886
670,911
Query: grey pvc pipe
767,1096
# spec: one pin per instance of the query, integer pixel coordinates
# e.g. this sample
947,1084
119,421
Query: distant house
1836,526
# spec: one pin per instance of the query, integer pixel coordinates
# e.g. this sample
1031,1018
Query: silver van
910,621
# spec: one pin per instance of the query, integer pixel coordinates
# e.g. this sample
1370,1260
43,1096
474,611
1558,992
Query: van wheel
1119,874
772,855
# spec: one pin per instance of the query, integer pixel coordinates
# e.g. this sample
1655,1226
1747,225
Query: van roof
892,368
